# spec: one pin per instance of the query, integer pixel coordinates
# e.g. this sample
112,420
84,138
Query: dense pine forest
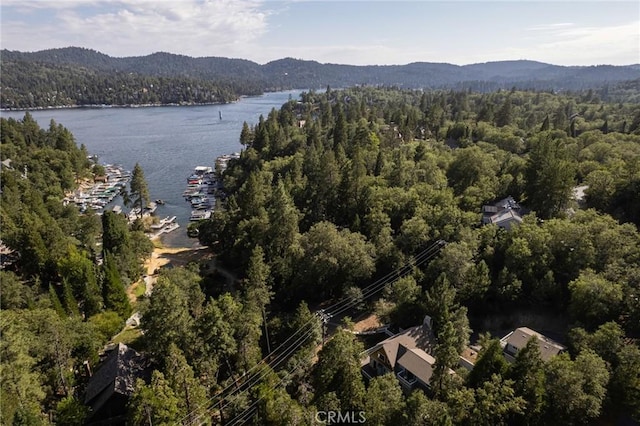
76,76
333,192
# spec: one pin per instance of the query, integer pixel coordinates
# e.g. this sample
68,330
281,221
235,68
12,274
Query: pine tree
139,189
246,135
504,114
191,395
55,302
115,296
527,373
256,296
338,370
70,303
545,124
549,176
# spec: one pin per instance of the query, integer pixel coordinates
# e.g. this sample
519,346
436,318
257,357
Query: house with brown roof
517,339
406,354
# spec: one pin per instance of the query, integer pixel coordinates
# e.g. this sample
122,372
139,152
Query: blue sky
364,32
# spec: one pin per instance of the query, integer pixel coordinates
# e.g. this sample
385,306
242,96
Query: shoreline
155,105
163,255
105,106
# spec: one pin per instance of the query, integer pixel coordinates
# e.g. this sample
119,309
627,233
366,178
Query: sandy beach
162,256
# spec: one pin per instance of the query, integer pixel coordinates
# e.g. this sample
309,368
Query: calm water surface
168,142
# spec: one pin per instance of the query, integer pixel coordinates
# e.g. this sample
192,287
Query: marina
167,142
203,185
97,194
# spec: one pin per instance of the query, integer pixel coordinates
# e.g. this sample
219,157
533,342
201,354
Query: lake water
168,142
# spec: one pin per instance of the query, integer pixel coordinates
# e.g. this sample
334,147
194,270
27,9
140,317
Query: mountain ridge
247,77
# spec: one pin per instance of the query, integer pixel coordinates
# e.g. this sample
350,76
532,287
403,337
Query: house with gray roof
110,388
517,339
504,213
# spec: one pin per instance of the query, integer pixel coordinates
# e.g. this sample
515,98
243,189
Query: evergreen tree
71,412
545,124
495,402
338,370
504,114
256,296
422,411
138,188
115,296
527,373
55,302
490,362
166,319
154,404
70,303
191,395
446,355
115,233
384,403
246,136
549,176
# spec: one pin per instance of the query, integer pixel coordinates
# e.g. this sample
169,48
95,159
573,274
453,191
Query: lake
168,142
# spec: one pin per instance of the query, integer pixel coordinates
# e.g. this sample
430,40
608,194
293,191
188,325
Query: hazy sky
364,32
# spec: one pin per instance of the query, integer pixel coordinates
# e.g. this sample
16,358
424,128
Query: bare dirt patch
371,322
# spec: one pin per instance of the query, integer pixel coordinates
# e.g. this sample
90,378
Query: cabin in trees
504,213
517,339
110,388
406,354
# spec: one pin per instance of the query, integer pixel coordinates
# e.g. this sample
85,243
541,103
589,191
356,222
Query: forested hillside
30,85
63,275
77,76
333,193
343,188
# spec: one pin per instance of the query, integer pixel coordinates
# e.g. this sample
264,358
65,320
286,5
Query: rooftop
520,336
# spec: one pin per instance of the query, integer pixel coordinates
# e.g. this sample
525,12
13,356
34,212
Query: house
406,354
468,357
504,213
110,388
7,164
517,339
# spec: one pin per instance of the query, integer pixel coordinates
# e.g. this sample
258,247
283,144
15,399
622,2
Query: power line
324,315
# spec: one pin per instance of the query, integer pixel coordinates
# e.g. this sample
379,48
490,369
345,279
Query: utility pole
266,331
324,317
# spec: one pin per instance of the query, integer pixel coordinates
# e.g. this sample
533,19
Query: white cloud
138,27
571,44
596,45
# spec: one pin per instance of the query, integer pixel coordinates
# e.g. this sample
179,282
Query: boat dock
164,226
203,185
103,190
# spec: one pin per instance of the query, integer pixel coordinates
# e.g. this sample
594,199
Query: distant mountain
247,77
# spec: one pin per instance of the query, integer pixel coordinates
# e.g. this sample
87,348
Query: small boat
197,215
160,202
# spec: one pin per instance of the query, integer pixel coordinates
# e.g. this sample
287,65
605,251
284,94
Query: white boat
197,215
163,222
